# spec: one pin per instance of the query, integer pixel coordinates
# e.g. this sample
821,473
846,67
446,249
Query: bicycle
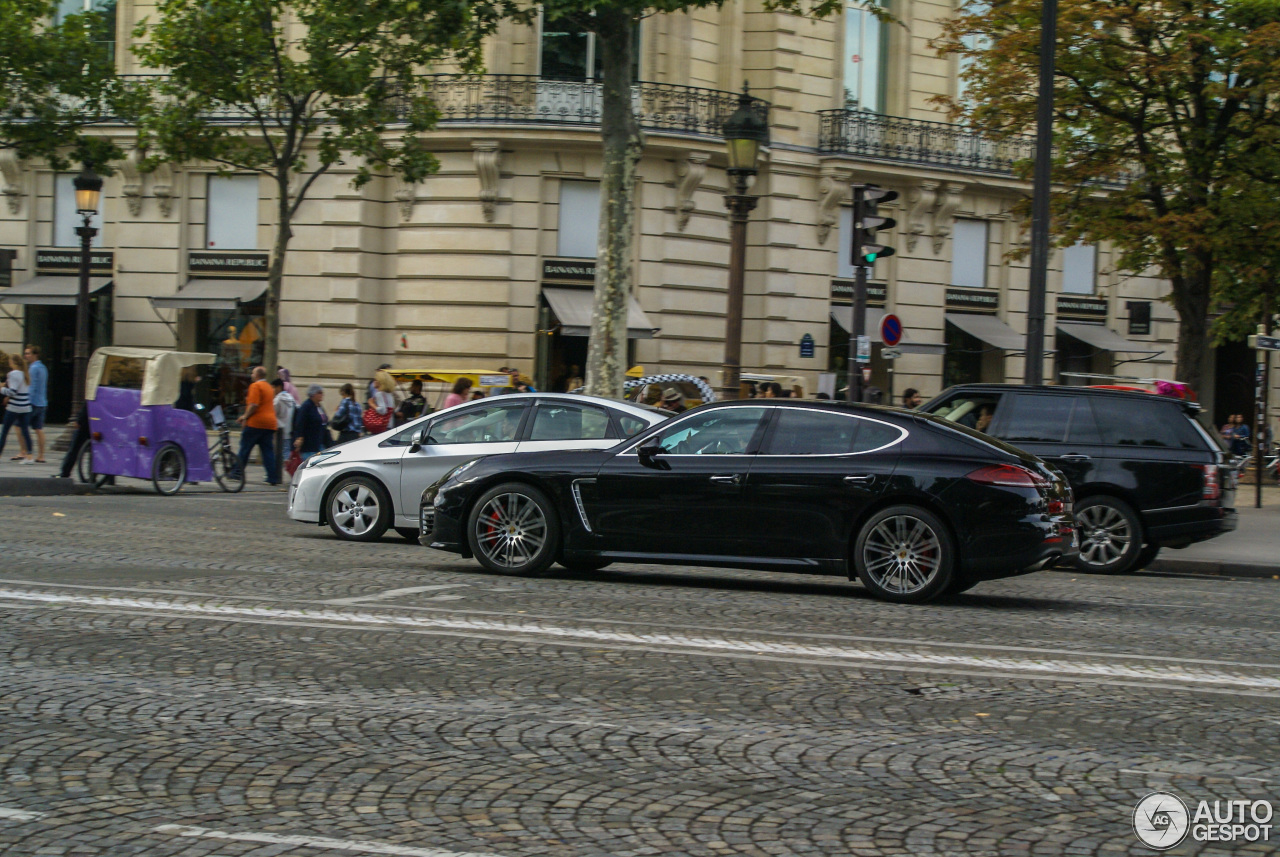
222,458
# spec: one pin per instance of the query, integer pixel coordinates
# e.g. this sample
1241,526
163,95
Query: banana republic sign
63,261
228,264
568,270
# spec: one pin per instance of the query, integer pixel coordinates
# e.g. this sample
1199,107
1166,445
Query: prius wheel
1110,535
905,554
359,509
168,469
513,529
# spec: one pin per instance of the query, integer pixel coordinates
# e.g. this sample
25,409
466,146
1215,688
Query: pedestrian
477,395
347,421
414,405
285,406
672,401
259,424
373,382
187,389
311,424
382,404
1240,436
17,393
911,398
39,396
458,394
283,374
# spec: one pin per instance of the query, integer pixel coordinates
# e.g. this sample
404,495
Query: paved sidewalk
1253,550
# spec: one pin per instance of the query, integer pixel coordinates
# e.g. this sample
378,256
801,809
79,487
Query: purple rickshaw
134,428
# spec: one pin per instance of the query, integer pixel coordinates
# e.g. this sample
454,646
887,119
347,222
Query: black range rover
1144,472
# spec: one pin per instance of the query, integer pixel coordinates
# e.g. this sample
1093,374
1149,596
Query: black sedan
918,507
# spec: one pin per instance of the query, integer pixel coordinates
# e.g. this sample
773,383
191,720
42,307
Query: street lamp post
88,187
744,133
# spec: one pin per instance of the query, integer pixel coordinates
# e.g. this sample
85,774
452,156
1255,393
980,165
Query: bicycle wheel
84,468
169,469
227,470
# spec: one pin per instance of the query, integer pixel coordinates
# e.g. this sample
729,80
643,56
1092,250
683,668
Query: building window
231,219
65,217
1079,268
570,52
864,59
579,219
104,24
974,43
969,254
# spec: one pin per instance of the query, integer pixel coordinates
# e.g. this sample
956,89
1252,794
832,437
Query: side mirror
415,447
648,451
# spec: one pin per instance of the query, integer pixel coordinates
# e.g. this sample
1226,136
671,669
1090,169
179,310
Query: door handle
727,480
1074,456
859,480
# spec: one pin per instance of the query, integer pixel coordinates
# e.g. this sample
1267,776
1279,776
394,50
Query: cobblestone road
198,675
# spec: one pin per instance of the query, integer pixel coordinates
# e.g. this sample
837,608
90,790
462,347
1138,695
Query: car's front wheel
513,529
1110,535
359,509
905,554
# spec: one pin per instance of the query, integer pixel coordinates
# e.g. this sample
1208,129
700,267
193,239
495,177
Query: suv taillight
1007,475
1212,487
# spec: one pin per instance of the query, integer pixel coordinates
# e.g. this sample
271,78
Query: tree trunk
275,277
1191,300
607,351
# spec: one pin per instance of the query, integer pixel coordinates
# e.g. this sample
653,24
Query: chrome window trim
901,437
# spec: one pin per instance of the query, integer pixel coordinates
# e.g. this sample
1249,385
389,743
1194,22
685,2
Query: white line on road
1112,667
357,845
7,814
409,590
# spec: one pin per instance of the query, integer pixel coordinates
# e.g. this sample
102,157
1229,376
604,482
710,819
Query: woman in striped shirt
17,391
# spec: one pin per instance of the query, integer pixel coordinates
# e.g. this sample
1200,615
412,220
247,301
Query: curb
31,486
1213,568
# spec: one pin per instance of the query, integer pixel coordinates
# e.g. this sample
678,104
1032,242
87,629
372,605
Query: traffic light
866,221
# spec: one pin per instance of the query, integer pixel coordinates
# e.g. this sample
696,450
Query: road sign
891,330
806,345
864,349
1265,343
890,353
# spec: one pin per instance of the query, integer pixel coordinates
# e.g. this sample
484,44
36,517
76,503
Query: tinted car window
405,437
1036,419
489,424
556,421
724,431
1132,422
631,425
969,410
875,435
811,432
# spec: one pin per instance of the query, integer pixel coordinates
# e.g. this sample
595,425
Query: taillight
1007,475
1212,487
1057,507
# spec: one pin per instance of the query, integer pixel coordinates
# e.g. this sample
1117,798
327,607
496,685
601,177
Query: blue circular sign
891,330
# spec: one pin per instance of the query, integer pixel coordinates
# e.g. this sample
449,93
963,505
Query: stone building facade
489,262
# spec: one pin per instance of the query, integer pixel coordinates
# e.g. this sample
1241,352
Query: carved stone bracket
920,202
133,178
162,187
689,174
948,202
406,195
487,155
833,189
14,180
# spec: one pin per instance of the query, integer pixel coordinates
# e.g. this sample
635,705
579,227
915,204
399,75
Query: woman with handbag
382,404
347,421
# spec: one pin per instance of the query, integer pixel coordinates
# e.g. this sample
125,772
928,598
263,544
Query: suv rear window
1132,422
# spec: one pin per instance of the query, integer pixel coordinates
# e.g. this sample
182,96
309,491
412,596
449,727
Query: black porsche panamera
915,506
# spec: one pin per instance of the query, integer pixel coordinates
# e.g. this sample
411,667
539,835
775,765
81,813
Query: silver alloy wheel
902,554
1105,535
354,509
511,529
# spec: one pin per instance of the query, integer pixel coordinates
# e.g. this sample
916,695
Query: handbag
341,421
374,422
295,461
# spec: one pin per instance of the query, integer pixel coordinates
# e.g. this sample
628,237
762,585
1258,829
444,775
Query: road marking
357,845
7,814
396,593
1113,667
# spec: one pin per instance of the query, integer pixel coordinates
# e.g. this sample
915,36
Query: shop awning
573,309
212,294
990,330
1104,338
843,316
50,290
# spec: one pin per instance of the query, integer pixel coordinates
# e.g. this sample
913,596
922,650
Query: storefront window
579,219
1079,268
969,254
963,361
231,213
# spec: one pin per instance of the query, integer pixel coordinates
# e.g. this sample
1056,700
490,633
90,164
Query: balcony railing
915,141
489,99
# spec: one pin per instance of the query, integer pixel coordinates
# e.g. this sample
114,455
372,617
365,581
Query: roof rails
1095,377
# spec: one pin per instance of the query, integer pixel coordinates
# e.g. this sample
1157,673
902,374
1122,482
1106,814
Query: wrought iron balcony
486,99
914,141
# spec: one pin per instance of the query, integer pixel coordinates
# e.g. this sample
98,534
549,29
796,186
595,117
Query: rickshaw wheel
169,469
227,471
84,468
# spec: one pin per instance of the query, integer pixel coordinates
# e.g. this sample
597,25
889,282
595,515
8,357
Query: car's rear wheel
513,529
1146,556
1110,535
359,509
168,469
905,554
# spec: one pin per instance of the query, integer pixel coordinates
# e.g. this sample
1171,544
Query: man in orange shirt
259,425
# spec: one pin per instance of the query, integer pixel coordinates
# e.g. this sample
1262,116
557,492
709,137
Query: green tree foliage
57,79
1160,108
290,88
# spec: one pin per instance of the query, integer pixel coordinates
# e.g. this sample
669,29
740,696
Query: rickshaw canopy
161,371
483,378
